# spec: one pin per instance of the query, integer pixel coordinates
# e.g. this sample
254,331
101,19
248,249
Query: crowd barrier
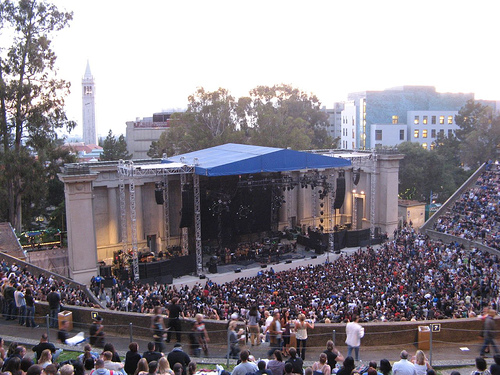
398,334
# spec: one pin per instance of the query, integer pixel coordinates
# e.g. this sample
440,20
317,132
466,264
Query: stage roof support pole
197,224
123,210
166,211
133,226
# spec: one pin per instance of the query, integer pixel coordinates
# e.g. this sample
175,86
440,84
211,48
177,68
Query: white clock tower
88,104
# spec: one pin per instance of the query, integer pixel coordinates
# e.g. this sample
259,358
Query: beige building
413,211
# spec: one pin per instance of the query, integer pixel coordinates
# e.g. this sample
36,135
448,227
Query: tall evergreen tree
114,148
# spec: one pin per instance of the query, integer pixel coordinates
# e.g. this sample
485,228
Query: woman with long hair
301,326
421,363
276,365
164,367
253,317
142,367
385,367
45,358
348,366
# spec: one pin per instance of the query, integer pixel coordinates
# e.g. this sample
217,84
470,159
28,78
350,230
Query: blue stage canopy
234,159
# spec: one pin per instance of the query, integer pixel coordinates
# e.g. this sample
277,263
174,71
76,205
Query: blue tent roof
234,159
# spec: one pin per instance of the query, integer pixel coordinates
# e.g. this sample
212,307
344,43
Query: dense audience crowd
410,278
19,288
475,215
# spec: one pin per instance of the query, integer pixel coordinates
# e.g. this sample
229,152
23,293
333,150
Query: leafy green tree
114,148
283,116
278,116
479,133
31,97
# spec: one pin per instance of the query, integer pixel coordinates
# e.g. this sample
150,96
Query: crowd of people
409,278
19,289
42,359
17,360
475,214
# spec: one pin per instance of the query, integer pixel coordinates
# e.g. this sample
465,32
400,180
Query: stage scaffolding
128,172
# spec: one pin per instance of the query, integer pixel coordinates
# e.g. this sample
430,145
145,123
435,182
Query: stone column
139,213
386,211
82,248
113,216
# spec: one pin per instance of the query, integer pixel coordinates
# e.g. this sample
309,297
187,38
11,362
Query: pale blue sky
150,55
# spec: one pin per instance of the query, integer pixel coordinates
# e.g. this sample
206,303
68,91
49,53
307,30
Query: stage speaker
159,196
263,266
314,256
202,276
105,271
339,193
356,176
187,210
108,282
237,270
288,261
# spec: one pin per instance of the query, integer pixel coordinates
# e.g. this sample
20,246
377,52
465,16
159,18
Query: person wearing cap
404,367
96,332
177,355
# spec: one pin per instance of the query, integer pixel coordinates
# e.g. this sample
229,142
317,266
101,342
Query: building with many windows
386,118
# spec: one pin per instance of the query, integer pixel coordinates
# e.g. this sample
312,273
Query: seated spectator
385,367
67,370
164,367
481,367
297,362
245,365
142,367
347,367
34,370
45,359
276,365
100,370
109,364
45,344
151,354
132,357
321,367
110,348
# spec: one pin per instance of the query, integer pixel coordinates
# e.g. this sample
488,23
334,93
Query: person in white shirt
354,332
403,366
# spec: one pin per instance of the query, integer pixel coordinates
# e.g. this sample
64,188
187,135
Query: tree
479,133
113,148
31,97
278,116
283,116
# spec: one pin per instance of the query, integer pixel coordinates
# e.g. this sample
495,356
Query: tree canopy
278,116
114,148
479,133
31,100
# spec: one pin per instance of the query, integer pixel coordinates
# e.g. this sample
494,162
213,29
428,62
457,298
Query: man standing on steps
54,300
354,332
174,322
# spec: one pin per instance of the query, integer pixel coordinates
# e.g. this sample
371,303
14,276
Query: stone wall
376,334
